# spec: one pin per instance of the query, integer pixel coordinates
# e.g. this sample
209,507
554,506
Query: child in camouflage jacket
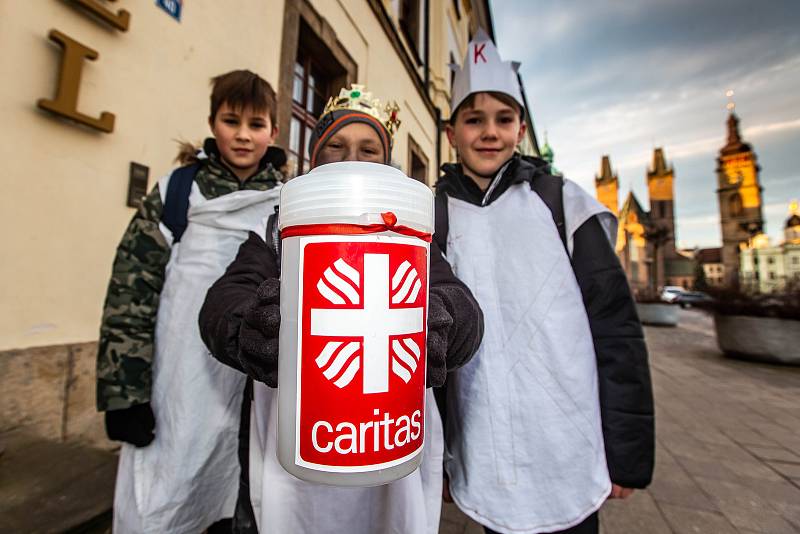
242,120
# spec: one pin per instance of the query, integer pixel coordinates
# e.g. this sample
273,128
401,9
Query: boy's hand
439,322
258,334
618,492
132,425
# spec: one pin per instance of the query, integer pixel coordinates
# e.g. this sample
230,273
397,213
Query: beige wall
383,72
63,210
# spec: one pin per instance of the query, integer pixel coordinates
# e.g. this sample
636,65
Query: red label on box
361,383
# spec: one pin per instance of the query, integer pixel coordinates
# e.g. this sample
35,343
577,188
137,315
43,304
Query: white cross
375,323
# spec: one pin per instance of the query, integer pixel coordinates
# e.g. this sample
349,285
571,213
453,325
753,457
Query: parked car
690,298
670,293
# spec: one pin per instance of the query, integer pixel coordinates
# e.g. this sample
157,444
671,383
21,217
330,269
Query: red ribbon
389,225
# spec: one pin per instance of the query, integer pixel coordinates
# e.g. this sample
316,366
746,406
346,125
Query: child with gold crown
240,321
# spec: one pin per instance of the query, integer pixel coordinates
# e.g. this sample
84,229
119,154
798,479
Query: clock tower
739,196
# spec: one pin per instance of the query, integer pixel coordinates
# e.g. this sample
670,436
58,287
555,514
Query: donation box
355,240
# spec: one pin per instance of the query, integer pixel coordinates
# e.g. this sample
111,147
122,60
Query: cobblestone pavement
728,444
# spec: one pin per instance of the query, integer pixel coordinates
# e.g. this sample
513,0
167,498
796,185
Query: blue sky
620,77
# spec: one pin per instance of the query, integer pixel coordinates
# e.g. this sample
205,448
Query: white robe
283,503
525,447
188,477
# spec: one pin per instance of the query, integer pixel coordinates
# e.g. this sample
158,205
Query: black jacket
229,297
626,396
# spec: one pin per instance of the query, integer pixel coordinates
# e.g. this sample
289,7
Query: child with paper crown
554,414
240,323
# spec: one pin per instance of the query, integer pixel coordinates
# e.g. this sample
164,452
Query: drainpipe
426,30
438,141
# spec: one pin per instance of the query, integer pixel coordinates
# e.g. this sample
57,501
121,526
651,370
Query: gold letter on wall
119,20
69,82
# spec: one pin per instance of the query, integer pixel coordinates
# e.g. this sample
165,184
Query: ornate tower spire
659,166
606,175
607,186
735,143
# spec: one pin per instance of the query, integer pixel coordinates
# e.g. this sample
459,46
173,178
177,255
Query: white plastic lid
355,192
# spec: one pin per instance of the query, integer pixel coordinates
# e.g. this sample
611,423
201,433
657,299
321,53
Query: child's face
355,142
243,137
485,136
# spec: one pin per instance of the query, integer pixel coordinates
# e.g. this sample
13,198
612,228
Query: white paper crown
484,71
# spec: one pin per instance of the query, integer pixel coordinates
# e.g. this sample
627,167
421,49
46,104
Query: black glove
439,322
132,425
258,335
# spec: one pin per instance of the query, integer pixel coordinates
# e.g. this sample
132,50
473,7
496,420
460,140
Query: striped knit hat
354,105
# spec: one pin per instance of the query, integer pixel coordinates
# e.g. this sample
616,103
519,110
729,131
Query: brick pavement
727,458
728,444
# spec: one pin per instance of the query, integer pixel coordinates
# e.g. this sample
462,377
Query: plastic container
354,299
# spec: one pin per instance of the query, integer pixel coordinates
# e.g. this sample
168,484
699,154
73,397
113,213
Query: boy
176,410
240,322
555,412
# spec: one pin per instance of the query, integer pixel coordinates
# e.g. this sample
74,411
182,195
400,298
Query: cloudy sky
620,77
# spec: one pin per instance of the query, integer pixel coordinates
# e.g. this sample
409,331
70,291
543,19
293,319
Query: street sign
173,7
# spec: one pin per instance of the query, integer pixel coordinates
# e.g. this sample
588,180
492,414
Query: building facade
767,269
632,248
102,91
710,259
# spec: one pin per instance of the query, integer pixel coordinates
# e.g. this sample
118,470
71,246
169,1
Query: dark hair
469,103
242,89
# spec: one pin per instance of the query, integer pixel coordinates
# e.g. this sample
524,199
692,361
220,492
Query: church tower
662,202
607,186
549,156
739,196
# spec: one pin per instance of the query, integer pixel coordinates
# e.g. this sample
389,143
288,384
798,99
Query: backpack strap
441,223
273,237
176,203
551,190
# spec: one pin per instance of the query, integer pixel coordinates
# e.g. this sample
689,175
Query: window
417,161
452,71
735,205
457,8
795,260
314,66
409,18
310,90
771,260
772,275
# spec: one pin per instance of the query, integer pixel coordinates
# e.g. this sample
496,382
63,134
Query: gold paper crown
356,99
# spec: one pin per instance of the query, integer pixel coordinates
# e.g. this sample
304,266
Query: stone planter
657,313
759,338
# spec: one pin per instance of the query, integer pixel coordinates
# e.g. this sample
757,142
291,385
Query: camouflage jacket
125,351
